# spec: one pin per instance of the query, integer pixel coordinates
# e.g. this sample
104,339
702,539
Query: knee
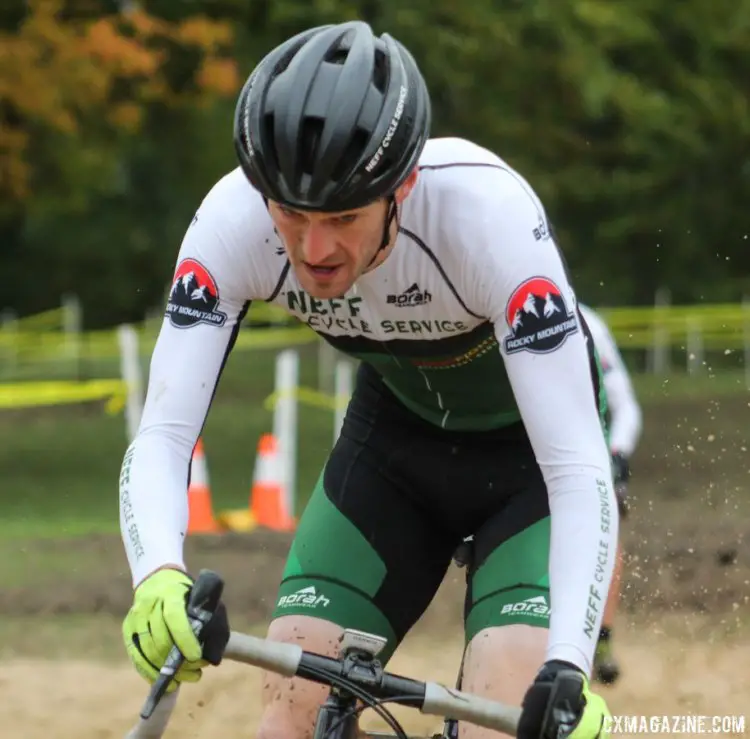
290,705
502,661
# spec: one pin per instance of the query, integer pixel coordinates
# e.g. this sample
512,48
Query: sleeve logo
194,297
538,318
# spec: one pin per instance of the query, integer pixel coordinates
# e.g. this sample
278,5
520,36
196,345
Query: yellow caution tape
46,321
307,396
31,340
103,345
30,394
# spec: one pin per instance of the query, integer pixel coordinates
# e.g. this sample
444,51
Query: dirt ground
681,633
665,672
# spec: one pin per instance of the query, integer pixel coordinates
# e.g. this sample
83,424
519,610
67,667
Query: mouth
322,272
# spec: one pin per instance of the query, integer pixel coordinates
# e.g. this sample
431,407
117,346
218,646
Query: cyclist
626,421
477,408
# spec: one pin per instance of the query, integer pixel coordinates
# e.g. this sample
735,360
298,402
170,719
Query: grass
652,389
60,466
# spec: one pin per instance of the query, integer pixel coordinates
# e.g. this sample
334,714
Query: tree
84,99
630,120
75,90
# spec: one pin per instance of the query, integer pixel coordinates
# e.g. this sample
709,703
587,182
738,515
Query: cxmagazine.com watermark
686,724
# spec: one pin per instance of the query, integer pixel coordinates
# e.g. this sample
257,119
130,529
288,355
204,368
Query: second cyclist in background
625,429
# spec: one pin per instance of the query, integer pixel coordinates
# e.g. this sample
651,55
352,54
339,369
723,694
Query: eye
345,220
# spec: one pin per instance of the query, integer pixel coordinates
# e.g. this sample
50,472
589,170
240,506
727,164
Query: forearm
584,523
153,508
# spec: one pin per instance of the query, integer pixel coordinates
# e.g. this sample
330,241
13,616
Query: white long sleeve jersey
471,321
626,418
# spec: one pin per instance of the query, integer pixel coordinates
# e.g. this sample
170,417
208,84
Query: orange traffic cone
267,500
201,519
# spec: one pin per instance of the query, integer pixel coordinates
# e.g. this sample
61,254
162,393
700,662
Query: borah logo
536,606
538,318
410,298
306,597
194,297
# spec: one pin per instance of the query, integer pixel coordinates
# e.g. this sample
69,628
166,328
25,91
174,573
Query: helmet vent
336,56
270,152
380,73
352,153
308,143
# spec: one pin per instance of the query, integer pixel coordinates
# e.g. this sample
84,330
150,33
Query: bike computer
372,644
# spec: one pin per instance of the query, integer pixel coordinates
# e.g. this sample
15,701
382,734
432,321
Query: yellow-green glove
158,619
560,704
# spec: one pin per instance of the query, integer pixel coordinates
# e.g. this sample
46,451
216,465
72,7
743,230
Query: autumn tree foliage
73,88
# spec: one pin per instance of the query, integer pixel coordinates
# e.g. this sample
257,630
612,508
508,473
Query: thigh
508,577
507,603
365,554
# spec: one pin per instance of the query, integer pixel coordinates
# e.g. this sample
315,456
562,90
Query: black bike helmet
332,119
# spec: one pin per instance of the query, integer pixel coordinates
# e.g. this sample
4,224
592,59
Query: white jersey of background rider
626,417
488,230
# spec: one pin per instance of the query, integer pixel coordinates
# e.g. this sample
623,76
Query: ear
402,192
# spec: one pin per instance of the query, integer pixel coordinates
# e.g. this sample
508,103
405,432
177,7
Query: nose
317,244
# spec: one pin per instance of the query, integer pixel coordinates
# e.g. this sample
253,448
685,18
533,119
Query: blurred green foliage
632,121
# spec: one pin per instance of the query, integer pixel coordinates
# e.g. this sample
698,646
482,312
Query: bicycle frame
291,660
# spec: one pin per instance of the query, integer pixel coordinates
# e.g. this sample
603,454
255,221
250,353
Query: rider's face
329,251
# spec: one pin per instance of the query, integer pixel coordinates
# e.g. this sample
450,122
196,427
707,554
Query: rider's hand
560,699
158,619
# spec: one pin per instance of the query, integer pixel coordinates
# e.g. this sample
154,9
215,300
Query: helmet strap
390,215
